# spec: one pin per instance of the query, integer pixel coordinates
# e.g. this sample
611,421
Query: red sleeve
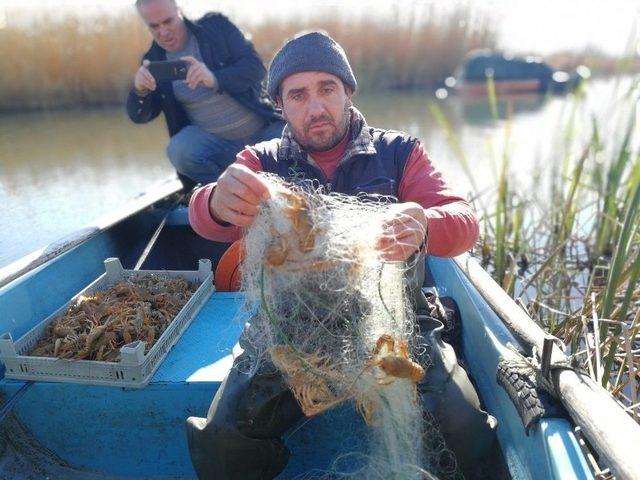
452,223
199,215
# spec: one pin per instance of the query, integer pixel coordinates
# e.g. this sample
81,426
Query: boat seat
204,352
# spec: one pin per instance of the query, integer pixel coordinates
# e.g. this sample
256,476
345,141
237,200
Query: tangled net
95,327
334,319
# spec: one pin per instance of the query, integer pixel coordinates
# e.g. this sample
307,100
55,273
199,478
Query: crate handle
204,268
6,345
114,270
132,353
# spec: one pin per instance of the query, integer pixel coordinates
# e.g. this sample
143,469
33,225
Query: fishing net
334,319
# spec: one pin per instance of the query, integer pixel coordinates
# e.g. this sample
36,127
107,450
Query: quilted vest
362,174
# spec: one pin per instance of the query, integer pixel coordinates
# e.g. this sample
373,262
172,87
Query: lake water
59,171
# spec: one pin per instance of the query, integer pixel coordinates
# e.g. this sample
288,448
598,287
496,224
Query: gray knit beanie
312,52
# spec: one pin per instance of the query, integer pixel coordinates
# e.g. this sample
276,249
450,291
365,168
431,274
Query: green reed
578,252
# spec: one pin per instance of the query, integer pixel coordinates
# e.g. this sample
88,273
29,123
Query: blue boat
77,431
512,74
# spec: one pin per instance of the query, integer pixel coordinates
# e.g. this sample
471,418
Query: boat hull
115,432
501,87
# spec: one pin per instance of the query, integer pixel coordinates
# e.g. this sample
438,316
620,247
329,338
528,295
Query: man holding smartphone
215,107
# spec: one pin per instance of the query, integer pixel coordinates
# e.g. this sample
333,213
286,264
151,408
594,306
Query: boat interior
78,431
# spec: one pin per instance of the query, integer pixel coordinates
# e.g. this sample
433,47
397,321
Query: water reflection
35,146
59,171
477,110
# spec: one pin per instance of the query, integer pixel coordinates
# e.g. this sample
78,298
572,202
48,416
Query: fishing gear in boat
8,405
256,408
331,323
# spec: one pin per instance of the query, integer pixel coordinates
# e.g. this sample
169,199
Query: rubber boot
240,438
448,394
446,391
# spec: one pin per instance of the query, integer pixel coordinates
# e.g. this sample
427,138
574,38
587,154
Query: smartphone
169,70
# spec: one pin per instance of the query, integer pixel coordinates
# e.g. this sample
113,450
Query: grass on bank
78,62
573,260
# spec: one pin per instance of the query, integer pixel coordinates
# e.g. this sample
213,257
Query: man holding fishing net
327,145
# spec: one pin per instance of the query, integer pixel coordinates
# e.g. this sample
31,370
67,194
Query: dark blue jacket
361,174
232,59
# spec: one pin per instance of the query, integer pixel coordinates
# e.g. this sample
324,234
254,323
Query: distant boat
512,74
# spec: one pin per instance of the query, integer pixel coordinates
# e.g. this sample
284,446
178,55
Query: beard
325,140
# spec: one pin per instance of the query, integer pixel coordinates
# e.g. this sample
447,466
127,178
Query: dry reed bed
78,62
69,61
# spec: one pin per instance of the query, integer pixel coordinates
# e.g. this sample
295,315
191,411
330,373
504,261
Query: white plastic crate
134,369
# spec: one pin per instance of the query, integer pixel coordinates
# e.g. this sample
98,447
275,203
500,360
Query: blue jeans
203,156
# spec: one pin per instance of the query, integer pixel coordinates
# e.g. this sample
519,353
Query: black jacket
232,59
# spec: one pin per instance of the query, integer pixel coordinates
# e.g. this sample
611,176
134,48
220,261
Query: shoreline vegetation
568,248
74,61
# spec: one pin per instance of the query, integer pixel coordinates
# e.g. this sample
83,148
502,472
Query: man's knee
198,155
182,153
240,437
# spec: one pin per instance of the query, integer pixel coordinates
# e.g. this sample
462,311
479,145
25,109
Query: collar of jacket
360,142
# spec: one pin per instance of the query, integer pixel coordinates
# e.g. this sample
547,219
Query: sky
535,26
551,25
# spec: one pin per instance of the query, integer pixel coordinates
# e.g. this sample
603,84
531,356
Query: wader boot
241,437
446,391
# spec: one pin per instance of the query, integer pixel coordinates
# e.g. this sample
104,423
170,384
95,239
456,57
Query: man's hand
144,81
237,196
404,232
198,74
